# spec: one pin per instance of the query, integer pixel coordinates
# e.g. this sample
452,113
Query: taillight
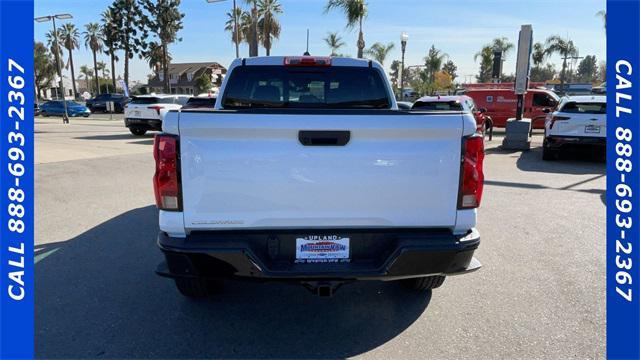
557,118
307,61
166,180
156,108
472,176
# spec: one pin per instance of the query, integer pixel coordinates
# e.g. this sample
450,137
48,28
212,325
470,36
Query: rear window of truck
584,108
336,87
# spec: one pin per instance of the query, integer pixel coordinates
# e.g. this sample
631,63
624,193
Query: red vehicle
500,104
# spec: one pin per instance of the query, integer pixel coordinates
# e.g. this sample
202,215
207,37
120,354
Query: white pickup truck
306,171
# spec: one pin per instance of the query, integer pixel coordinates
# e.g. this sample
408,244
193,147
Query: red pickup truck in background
500,104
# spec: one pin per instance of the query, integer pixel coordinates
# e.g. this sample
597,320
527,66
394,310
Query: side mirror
546,110
482,110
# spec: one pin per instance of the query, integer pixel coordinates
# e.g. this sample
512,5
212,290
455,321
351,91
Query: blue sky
459,28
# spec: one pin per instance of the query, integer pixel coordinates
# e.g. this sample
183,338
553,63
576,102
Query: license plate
592,129
136,113
322,248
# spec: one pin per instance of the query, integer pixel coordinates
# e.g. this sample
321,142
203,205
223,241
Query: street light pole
235,24
403,41
65,117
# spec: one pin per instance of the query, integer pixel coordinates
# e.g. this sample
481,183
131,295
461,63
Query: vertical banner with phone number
16,179
623,179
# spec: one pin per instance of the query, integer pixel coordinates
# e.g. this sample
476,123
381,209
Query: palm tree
356,11
110,33
154,57
268,24
165,22
602,14
245,26
54,41
93,41
334,41
70,35
433,62
486,61
538,54
379,51
86,71
229,25
502,45
566,49
253,37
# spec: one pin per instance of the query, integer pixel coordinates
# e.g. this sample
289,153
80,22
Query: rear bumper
148,124
375,255
554,141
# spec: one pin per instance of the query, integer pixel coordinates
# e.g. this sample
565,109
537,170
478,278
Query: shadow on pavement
126,136
97,296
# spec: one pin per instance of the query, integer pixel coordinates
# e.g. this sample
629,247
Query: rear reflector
307,61
166,180
472,176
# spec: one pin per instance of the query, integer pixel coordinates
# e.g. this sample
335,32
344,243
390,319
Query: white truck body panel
250,171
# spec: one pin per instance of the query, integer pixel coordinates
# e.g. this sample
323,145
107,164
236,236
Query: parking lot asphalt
540,293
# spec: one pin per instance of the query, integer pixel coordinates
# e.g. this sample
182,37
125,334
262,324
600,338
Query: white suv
145,112
578,120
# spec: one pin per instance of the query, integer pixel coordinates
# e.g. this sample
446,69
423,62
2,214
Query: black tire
424,283
548,153
137,131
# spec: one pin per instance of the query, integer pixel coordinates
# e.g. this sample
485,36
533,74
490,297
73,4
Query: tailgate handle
324,137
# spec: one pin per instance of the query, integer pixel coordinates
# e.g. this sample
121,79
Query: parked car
200,102
56,108
144,113
99,103
601,90
36,109
501,104
307,171
578,121
484,123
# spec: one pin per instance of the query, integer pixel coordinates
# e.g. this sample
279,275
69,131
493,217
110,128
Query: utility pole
403,41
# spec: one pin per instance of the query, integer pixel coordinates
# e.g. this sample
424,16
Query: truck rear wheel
198,288
424,283
137,131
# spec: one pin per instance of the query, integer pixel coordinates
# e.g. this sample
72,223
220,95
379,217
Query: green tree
565,48
132,30
268,24
379,51
538,54
486,62
54,41
43,69
70,36
334,42
433,62
588,69
229,25
86,71
503,45
110,37
165,21
93,41
203,83
450,68
541,73
154,56
252,34
355,11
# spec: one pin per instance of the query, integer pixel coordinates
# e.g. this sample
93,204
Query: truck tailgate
248,170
